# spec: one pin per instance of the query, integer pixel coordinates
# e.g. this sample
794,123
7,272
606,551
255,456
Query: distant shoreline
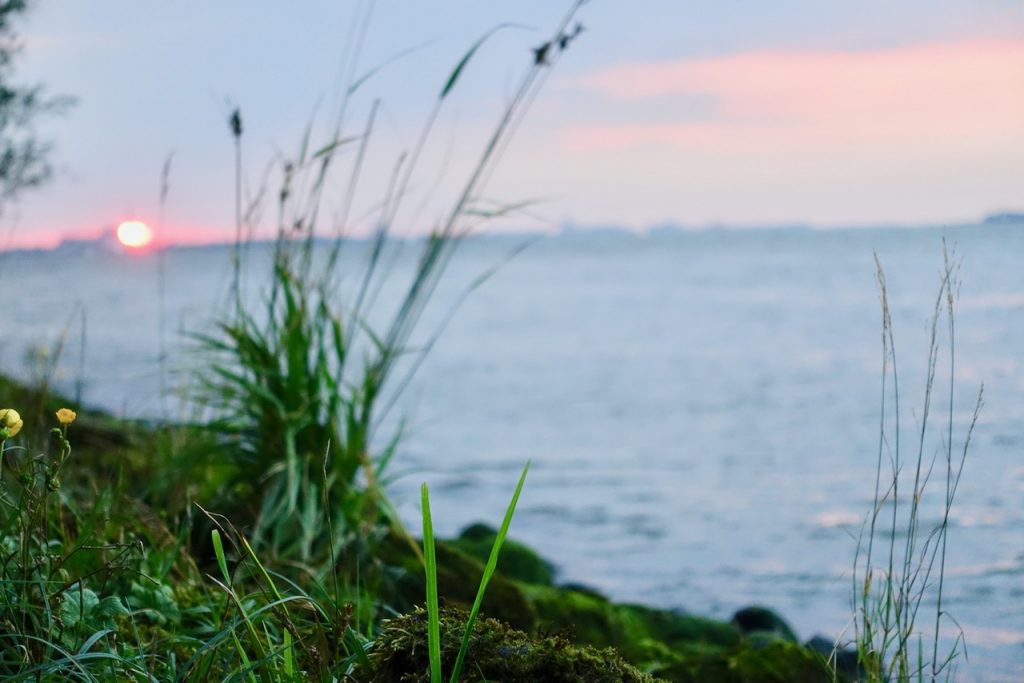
103,243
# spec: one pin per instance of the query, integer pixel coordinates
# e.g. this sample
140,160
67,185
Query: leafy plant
57,617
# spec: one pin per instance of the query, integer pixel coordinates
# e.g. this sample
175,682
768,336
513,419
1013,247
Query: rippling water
701,409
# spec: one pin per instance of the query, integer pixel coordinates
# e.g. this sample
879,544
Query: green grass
296,387
245,546
56,620
430,568
130,562
899,567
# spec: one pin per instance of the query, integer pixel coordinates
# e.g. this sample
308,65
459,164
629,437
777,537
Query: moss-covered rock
582,617
675,628
642,634
845,660
500,653
458,577
774,662
756,646
516,561
762,624
496,653
780,662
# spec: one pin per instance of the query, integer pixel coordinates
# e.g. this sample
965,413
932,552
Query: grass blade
457,71
218,550
430,567
492,563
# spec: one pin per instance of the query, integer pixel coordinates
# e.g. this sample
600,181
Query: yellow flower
10,421
66,416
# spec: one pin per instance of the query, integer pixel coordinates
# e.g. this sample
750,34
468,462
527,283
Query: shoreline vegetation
256,542
142,593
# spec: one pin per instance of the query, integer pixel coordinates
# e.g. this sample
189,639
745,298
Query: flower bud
10,421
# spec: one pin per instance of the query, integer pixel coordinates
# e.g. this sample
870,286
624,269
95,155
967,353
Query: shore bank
534,626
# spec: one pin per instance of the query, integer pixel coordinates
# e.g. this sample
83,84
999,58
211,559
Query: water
701,409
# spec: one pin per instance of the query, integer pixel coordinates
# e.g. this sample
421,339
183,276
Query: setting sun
134,234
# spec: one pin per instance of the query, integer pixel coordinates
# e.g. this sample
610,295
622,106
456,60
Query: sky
703,112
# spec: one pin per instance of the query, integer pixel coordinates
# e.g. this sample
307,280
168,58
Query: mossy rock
697,663
763,624
458,577
845,660
675,628
516,561
497,653
775,662
781,662
581,588
642,634
582,617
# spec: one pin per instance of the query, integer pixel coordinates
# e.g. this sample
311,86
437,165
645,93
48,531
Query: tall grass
900,565
303,371
94,584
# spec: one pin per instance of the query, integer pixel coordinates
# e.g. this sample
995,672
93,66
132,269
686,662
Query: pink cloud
962,94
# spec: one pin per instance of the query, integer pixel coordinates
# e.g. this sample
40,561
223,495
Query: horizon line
566,228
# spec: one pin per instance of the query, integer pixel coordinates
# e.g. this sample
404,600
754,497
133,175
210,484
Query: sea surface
701,409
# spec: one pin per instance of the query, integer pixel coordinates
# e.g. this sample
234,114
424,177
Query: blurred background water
701,408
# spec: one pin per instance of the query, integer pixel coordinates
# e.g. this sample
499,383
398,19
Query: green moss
644,636
582,617
698,664
681,647
763,624
674,628
499,653
780,662
496,653
458,577
775,662
517,561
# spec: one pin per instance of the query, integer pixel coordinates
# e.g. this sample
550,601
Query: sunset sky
742,112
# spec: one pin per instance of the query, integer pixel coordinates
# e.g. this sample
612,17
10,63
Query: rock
757,645
761,625
582,617
458,578
845,660
781,662
496,653
581,588
775,662
642,634
516,560
675,628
